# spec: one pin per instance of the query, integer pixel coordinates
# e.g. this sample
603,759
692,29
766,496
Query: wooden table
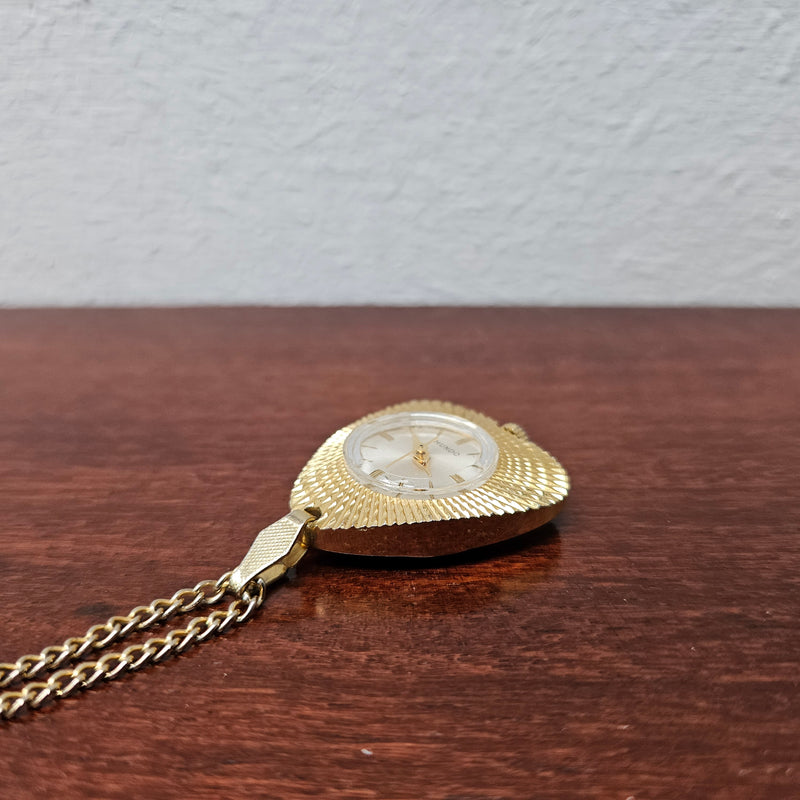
646,645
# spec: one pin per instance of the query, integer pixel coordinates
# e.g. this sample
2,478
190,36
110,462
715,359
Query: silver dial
420,454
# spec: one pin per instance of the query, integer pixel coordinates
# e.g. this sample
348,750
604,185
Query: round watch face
420,454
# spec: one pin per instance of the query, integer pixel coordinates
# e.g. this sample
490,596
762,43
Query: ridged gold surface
526,478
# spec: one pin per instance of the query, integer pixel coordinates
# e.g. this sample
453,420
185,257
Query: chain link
100,636
34,694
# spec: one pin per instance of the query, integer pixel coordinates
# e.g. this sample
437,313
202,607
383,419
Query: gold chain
63,683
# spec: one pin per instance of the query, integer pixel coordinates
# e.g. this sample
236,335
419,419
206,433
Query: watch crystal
420,454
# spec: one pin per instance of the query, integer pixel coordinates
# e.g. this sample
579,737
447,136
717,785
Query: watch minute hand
399,458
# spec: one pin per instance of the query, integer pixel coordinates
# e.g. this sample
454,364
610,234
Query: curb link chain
63,683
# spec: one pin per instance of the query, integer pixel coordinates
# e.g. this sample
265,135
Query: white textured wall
403,152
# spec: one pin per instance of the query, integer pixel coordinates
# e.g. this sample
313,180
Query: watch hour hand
421,456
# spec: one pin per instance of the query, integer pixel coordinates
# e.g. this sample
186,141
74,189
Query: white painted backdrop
474,151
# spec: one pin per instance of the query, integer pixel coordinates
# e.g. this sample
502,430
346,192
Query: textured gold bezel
526,478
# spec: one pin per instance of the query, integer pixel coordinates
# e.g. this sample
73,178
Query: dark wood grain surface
646,645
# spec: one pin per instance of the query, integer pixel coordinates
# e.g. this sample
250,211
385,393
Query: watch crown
516,430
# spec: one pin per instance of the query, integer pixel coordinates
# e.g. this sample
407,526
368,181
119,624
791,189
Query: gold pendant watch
419,479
